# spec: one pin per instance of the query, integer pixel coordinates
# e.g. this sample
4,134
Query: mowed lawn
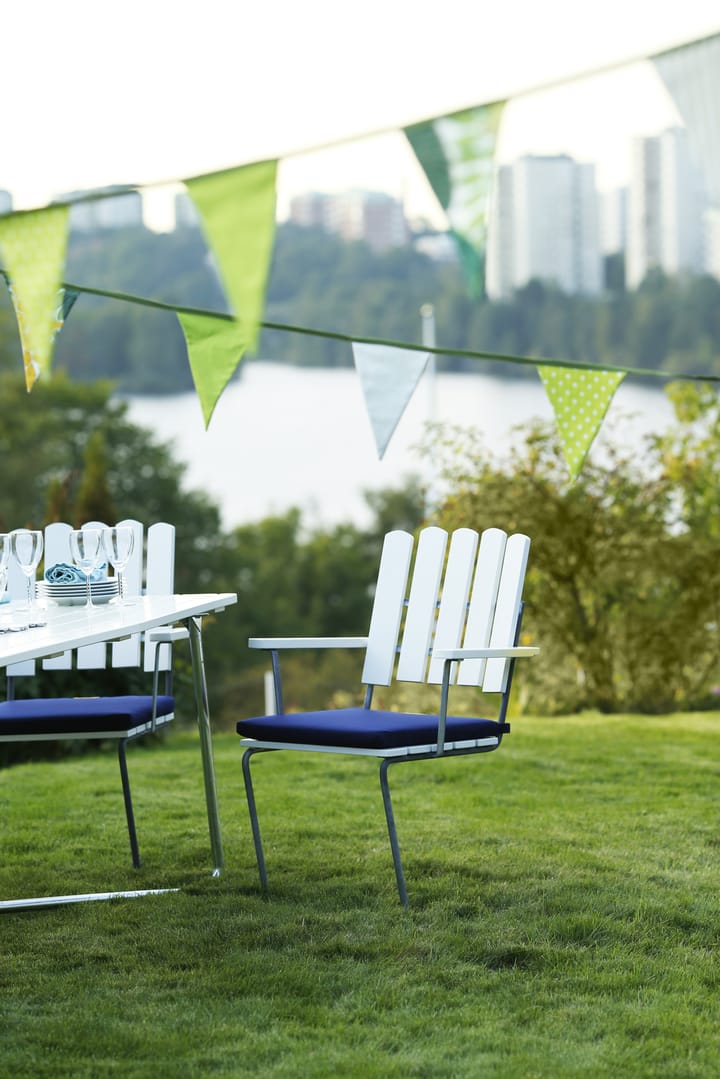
564,921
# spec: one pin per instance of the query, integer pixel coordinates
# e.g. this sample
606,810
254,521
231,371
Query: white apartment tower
665,208
544,225
372,216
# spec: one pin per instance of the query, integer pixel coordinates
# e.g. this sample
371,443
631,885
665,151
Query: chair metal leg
392,832
250,794
122,759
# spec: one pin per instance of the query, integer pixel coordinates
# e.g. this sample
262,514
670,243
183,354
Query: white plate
70,594
79,590
65,586
78,601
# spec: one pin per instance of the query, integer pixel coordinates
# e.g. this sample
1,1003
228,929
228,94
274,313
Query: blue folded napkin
65,573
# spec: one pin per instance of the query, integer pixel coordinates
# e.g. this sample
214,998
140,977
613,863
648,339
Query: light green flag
215,347
33,248
580,400
237,210
457,154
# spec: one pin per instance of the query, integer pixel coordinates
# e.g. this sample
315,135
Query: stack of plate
74,593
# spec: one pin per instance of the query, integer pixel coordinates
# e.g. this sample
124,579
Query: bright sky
141,92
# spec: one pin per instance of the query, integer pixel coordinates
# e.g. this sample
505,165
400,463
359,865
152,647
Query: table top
71,627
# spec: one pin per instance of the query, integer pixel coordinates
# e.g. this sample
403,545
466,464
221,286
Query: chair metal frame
479,604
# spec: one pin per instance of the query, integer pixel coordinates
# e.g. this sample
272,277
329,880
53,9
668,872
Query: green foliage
563,922
624,581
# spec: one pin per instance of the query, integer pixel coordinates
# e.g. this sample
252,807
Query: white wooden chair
117,718
459,625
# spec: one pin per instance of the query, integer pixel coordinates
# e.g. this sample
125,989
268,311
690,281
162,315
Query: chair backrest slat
422,605
57,549
159,581
127,653
507,611
482,603
387,609
92,657
454,600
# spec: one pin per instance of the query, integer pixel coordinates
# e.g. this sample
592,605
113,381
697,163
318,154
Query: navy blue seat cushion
74,715
364,728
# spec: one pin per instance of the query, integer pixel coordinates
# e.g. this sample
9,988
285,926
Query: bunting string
437,350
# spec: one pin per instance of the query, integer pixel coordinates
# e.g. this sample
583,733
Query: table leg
203,720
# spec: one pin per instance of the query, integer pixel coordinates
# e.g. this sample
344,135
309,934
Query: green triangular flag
580,400
33,248
237,210
215,348
456,153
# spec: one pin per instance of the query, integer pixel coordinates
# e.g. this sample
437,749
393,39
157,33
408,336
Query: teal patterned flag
457,154
580,400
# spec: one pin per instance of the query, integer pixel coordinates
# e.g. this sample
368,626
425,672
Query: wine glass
27,546
5,548
118,543
86,551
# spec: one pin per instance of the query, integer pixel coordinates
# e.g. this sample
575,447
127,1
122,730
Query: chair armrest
274,643
485,653
168,634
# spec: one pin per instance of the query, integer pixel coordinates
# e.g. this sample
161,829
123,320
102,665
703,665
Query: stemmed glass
27,546
5,548
5,545
118,544
86,550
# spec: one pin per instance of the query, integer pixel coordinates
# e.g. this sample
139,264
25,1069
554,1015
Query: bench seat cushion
363,728
77,715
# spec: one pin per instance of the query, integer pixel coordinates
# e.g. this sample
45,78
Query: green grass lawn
564,921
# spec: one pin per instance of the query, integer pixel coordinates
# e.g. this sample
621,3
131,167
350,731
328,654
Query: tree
623,581
93,500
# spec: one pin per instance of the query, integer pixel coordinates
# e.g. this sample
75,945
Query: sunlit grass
564,921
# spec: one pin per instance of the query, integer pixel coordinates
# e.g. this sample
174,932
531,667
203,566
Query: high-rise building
372,216
544,226
122,209
310,210
711,221
613,221
666,207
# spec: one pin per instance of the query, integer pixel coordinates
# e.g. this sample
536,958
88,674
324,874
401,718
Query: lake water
286,436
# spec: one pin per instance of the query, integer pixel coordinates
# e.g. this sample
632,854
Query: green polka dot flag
33,248
580,400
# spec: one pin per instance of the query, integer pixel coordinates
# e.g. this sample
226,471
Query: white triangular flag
691,73
388,377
